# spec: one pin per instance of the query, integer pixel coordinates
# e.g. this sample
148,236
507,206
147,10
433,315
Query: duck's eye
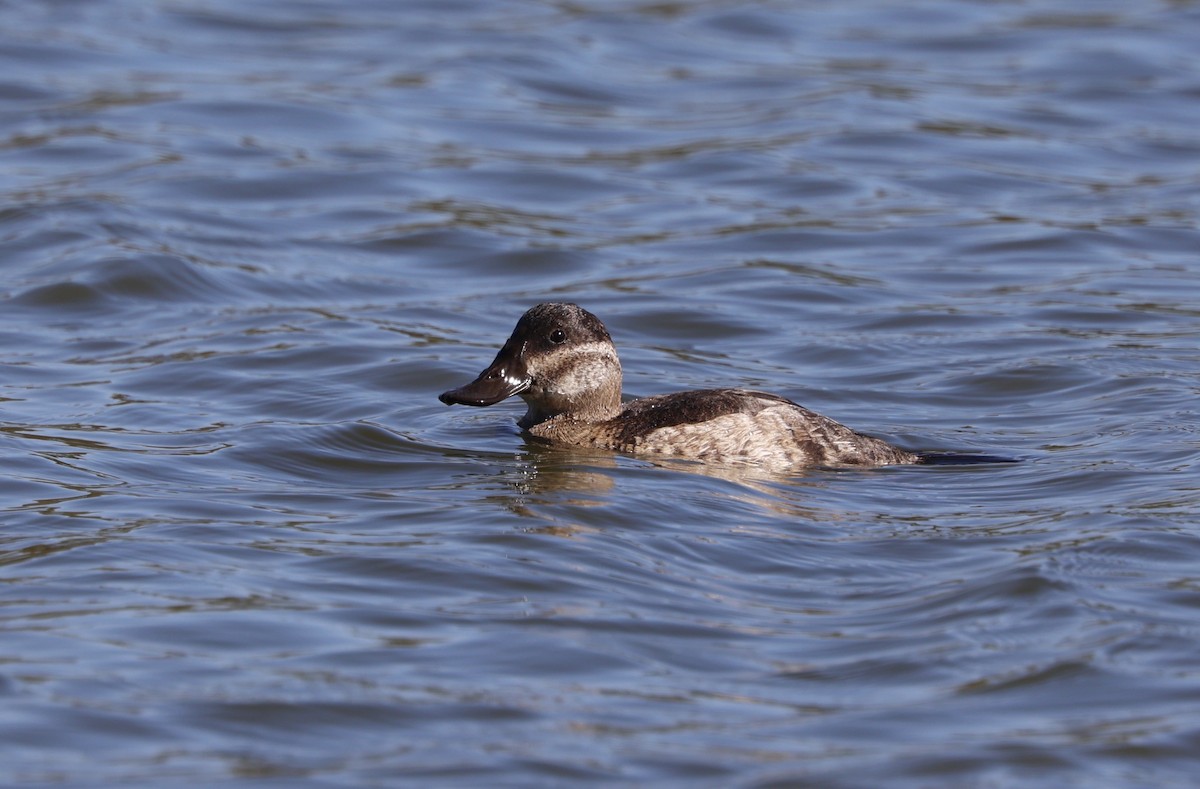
558,336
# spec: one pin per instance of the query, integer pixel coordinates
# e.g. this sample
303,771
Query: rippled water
246,244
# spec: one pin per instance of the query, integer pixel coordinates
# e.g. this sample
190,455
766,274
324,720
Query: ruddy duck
561,361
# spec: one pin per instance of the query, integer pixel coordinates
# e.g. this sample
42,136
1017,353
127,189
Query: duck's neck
595,404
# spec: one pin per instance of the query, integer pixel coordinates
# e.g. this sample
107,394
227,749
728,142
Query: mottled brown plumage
561,361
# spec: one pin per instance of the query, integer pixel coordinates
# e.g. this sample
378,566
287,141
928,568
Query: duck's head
560,359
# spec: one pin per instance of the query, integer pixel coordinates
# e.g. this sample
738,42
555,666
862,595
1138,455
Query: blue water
244,247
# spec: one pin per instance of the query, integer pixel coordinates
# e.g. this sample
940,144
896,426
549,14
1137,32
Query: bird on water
560,359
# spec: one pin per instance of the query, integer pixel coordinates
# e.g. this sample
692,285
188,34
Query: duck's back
738,425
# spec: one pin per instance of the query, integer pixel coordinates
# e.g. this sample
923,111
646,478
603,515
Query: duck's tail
959,459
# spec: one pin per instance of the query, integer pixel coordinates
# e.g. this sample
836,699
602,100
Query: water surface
246,245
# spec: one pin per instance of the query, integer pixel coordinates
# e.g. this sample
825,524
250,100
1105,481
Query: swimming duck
562,362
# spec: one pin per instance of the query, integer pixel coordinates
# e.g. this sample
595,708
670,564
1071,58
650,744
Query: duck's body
726,425
561,361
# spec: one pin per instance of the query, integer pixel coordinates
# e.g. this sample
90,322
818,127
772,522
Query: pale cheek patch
576,370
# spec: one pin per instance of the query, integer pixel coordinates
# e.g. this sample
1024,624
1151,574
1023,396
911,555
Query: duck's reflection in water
551,474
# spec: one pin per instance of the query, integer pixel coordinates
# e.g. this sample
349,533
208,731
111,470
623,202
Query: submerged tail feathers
959,459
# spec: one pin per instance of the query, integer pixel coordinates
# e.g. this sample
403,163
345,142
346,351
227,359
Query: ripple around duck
355,454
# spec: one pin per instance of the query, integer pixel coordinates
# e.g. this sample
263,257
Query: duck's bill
493,385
